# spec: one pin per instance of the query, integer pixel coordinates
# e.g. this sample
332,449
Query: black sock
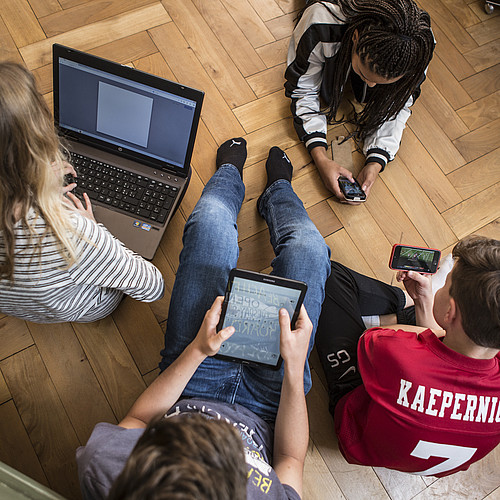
233,151
278,166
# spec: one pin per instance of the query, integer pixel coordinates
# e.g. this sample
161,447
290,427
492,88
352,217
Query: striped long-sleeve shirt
46,290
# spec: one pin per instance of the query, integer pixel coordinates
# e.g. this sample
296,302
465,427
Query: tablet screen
253,309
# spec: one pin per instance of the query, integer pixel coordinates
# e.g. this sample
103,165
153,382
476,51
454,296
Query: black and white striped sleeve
103,260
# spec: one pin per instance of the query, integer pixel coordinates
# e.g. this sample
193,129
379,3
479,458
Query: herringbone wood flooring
57,381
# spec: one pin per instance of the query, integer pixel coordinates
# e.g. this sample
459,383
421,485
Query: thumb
284,320
227,332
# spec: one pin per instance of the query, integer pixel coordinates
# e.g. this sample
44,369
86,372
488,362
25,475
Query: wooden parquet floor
58,381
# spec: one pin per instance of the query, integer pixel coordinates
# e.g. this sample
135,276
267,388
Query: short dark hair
475,287
189,458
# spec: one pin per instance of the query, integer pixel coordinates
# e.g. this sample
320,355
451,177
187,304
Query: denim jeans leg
301,254
210,251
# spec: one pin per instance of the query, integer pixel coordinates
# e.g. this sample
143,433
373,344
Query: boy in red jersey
410,398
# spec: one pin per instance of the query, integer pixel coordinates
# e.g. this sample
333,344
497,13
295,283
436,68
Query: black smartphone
251,304
352,190
420,259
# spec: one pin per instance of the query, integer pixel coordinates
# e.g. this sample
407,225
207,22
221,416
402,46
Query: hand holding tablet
251,305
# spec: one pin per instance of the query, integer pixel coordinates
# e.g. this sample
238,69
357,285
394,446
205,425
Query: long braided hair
395,39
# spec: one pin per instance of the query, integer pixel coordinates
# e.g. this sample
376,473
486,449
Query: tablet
251,304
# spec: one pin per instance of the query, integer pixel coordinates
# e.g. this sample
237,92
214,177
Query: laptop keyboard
135,194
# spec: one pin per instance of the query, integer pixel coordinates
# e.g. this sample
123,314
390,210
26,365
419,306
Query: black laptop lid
125,111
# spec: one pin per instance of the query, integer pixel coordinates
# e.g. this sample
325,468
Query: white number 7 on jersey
456,455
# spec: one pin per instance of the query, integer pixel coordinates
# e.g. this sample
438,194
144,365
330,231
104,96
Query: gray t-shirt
108,448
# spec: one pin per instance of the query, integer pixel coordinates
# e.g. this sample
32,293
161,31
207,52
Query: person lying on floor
422,399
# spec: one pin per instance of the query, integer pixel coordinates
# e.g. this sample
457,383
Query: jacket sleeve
104,261
315,38
381,146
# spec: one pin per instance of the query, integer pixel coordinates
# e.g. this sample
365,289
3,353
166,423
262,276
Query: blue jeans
210,252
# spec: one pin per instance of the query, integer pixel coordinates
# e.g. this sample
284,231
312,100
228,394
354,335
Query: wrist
195,352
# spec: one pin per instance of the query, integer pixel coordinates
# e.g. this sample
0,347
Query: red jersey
422,408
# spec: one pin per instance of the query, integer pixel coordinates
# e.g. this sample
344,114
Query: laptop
131,137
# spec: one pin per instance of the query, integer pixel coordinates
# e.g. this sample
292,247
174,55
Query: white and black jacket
309,75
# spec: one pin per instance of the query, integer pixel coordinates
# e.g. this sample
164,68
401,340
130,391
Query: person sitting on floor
56,263
249,413
416,399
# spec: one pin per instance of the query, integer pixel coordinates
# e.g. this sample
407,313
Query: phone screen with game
251,304
351,190
409,258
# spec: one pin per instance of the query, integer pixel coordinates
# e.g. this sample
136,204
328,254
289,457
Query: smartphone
420,259
352,190
251,304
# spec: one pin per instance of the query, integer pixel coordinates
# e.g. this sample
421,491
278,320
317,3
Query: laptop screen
124,113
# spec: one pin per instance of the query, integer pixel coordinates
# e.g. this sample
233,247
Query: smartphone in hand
351,190
419,259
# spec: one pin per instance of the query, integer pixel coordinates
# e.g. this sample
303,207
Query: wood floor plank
171,243
5,394
346,252
267,81
216,114
447,84
391,218
210,52
449,120
484,83
250,23
477,175
43,8
8,48
324,218
155,64
21,22
192,195
317,476
288,6
491,230
354,481
231,37
485,56
482,111
13,436
418,207
262,112
141,332
477,7
451,56
431,178
474,212
44,418
486,31
462,13
112,363
480,141
94,35
161,307
15,336
249,221
274,53
87,13
267,9
281,134
441,16
56,343
400,485
435,141
366,234
256,253
282,26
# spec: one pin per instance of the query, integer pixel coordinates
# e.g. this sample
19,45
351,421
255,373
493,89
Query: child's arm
291,435
167,388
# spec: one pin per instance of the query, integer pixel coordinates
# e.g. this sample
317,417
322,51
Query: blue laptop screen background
125,113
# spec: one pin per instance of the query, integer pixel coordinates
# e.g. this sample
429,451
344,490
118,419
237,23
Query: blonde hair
31,166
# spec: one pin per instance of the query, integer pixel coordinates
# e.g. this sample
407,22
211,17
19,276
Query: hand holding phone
410,258
351,190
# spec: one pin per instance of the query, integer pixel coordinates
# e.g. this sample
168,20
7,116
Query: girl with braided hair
381,49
